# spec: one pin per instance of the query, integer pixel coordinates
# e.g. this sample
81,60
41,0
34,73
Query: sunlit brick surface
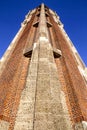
42,91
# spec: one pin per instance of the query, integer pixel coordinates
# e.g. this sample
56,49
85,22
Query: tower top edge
42,3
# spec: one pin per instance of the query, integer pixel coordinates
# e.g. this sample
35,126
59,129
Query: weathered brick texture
70,77
51,91
13,77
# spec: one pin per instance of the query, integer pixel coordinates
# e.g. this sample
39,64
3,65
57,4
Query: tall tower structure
43,81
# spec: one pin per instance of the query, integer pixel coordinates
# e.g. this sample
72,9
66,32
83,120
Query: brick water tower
43,81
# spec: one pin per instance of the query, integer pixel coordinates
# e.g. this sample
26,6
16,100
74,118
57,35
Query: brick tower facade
43,81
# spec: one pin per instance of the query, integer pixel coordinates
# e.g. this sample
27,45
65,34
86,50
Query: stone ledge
57,53
28,52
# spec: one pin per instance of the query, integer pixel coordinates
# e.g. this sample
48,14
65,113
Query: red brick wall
70,77
10,77
12,80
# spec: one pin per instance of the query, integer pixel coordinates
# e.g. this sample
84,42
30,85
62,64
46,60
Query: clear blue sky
73,14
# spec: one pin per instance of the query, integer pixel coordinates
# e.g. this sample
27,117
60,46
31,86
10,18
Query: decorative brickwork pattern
42,84
13,77
72,77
